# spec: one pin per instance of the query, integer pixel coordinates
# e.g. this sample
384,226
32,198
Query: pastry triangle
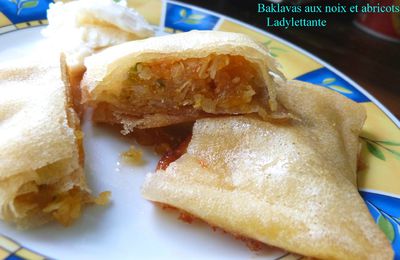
289,185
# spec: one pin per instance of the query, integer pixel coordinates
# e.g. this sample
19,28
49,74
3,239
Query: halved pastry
288,185
41,153
176,78
81,28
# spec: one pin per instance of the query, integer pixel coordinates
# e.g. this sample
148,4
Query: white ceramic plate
132,228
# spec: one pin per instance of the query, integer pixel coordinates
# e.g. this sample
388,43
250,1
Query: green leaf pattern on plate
274,51
389,143
386,222
196,16
328,82
372,148
24,4
395,153
387,227
183,13
376,148
190,19
341,89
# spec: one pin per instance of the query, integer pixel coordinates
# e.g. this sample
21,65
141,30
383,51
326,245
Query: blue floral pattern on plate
327,78
384,209
19,11
386,212
185,19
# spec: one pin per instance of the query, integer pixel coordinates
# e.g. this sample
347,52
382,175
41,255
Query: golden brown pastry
81,28
176,78
288,185
41,153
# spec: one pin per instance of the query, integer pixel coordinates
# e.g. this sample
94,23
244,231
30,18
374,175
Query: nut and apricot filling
213,84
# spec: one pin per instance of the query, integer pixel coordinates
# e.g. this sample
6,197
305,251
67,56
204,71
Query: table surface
371,62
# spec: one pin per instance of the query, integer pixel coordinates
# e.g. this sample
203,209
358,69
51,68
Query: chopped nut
215,82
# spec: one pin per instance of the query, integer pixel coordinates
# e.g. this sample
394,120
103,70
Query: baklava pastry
83,27
182,77
41,153
288,185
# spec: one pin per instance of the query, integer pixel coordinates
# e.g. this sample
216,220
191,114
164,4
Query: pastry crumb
103,198
133,156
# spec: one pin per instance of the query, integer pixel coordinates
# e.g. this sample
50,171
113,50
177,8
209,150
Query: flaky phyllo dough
41,155
83,27
290,185
181,77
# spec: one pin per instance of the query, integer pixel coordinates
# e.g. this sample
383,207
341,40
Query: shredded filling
65,207
214,84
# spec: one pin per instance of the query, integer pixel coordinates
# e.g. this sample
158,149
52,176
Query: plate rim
374,100
299,49
222,18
